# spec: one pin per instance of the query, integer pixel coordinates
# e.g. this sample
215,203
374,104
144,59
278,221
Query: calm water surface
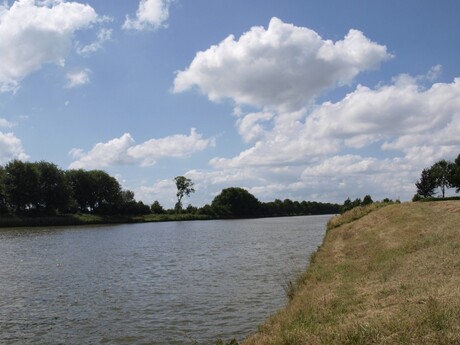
156,283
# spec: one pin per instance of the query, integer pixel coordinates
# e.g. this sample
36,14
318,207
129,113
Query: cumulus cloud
283,66
176,146
250,127
78,78
5,123
151,14
163,191
122,151
103,35
396,130
102,155
399,116
34,33
11,148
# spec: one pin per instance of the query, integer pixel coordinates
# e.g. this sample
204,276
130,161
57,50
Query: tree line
441,176
236,202
41,188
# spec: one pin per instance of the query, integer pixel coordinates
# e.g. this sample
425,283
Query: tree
82,187
236,202
427,184
55,193
3,196
442,173
22,185
95,191
184,188
107,192
455,174
347,205
367,200
156,208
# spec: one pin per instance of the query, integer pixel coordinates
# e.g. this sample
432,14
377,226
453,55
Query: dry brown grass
390,277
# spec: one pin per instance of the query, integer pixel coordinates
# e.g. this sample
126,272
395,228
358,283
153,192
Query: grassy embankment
391,276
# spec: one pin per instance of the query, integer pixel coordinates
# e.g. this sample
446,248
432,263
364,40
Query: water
155,283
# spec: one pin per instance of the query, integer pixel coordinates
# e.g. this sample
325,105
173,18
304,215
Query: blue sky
308,100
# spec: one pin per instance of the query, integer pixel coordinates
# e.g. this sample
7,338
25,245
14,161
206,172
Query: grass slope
389,277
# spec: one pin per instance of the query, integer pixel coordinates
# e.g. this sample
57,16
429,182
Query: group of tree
235,202
441,176
348,204
41,188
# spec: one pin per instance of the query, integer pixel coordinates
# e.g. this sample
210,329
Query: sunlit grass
384,275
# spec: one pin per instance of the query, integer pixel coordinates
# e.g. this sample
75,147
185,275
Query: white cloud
151,14
6,124
11,148
122,151
103,35
78,78
34,33
163,191
283,66
413,124
400,116
177,146
250,127
103,155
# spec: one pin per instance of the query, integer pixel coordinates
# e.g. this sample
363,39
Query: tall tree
156,208
55,192
455,174
184,188
82,188
427,184
236,202
3,196
107,192
442,172
367,200
22,185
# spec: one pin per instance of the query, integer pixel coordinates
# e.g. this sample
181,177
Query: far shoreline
90,219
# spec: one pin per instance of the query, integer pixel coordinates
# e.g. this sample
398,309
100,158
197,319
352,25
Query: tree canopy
443,175
236,202
184,188
43,188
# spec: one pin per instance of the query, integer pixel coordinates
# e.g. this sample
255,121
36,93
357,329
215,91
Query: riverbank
90,219
390,276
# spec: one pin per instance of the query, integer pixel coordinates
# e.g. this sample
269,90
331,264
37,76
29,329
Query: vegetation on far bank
441,176
389,276
40,193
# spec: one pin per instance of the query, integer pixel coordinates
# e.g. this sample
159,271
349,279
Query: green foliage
38,189
455,174
54,193
184,188
156,208
427,184
442,173
236,202
22,185
349,205
367,200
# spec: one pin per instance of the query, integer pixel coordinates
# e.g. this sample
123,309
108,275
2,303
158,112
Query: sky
308,100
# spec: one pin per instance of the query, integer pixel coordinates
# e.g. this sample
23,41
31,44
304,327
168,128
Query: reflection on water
156,283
